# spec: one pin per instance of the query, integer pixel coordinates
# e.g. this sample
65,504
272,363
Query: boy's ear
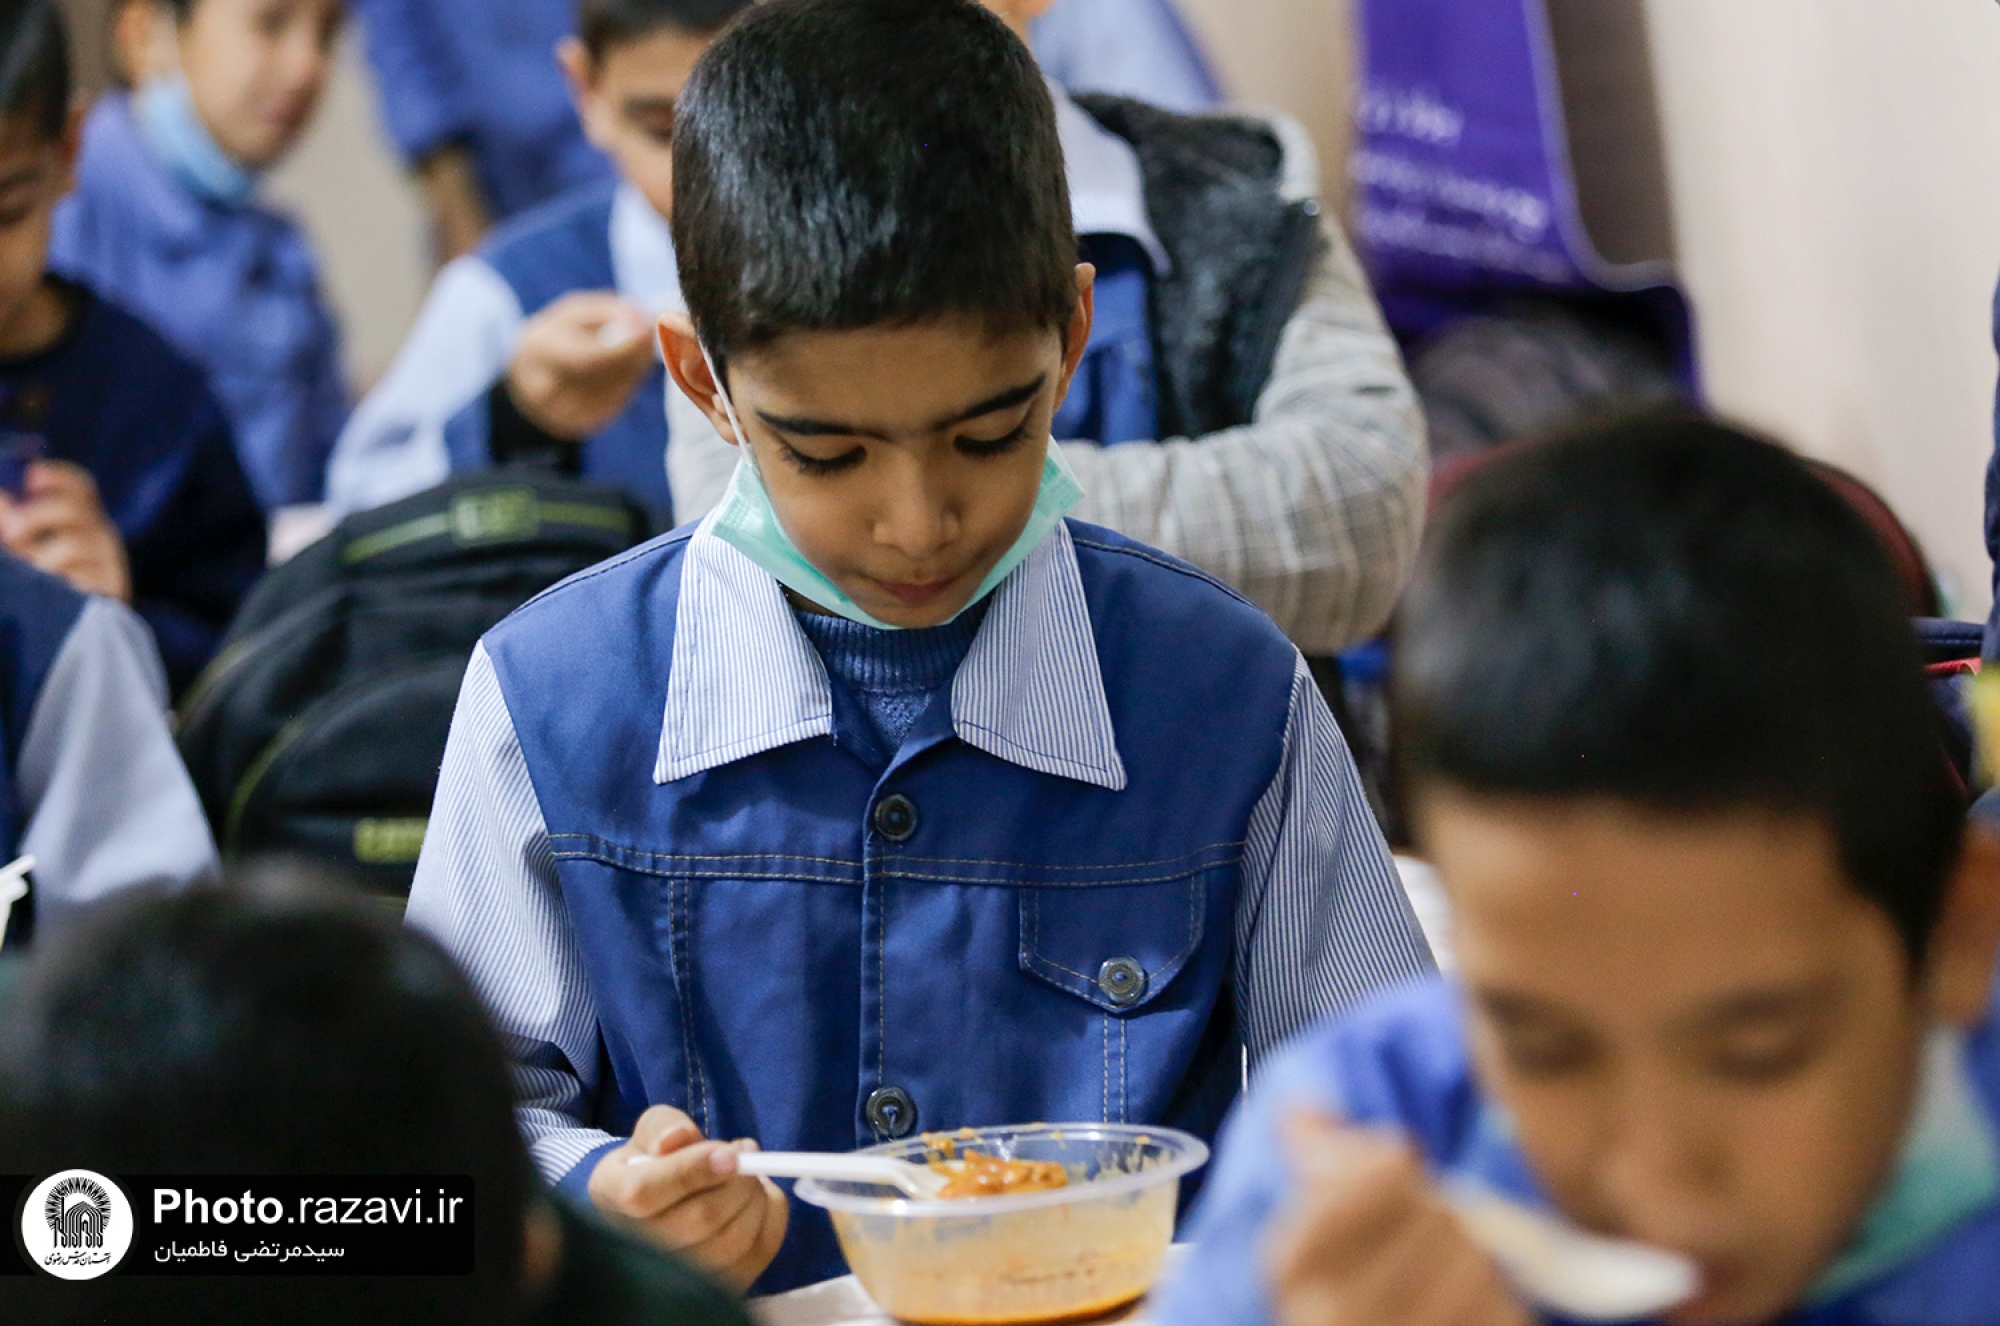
1965,947
580,72
688,367
1082,317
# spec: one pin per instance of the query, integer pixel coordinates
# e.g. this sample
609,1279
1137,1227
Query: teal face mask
173,129
747,522
1948,1169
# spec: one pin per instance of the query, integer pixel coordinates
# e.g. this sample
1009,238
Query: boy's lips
915,594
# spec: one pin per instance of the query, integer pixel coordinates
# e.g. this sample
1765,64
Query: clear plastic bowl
1070,1253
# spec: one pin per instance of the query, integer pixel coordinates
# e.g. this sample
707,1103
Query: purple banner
1462,175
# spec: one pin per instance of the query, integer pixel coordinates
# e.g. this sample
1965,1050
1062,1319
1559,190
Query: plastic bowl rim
1194,1153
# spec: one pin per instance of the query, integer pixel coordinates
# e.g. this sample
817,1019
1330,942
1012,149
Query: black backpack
319,728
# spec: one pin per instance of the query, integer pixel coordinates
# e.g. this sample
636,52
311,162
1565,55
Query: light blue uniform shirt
234,289
1132,48
104,801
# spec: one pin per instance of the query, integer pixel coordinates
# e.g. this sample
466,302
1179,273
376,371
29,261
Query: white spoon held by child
830,1167
1577,1275
13,888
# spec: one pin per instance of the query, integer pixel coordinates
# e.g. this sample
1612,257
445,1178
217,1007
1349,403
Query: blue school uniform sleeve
486,889
402,440
421,100
1323,919
1398,1063
1132,48
1220,1281
109,804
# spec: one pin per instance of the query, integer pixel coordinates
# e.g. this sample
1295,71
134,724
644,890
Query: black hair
603,24
1675,614
843,164
220,1034
35,80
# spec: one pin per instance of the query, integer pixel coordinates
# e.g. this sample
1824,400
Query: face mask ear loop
728,408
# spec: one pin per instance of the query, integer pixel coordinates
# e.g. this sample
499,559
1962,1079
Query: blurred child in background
1241,403
90,784
541,345
117,470
164,217
1726,948
472,95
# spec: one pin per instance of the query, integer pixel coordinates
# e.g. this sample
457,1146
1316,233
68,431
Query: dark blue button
896,818
1123,981
891,1113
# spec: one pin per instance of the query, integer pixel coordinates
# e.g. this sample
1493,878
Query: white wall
363,215
1294,55
1836,165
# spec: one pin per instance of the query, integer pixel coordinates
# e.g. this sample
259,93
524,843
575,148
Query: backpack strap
1242,251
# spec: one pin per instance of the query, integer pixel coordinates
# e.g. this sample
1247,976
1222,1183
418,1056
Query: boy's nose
914,519
1660,1171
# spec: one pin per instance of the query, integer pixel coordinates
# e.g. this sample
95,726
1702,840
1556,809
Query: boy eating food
1726,949
886,799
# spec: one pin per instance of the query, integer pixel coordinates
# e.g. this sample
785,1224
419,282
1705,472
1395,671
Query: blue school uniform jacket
235,289
1128,846
116,399
432,415
1402,1063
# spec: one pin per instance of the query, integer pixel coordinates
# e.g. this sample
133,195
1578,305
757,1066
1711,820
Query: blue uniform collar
1107,192
642,254
746,680
116,149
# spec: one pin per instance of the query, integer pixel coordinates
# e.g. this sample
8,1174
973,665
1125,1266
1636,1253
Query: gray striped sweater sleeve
486,889
1323,920
1314,508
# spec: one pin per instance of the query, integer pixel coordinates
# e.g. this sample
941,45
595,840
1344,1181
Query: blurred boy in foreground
214,1034
1726,947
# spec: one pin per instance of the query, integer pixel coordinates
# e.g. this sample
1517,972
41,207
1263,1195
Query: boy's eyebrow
650,105
1005,400
1766,1005
17,178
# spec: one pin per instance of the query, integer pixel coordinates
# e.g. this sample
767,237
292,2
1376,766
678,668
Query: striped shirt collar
746,680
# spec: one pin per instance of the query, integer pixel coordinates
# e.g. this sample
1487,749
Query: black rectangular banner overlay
388,1225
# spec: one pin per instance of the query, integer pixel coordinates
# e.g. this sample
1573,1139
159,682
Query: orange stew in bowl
989,1176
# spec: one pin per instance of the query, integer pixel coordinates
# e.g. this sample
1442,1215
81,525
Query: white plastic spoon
13,888
911,1180
1577,1275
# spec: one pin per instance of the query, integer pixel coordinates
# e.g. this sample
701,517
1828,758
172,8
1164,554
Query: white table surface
842,1303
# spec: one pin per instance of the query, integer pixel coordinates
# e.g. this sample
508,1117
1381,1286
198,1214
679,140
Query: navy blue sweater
113,397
